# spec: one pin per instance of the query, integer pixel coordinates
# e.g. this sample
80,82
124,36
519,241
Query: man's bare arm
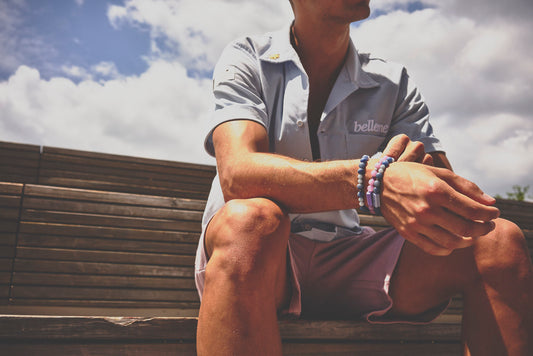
247,170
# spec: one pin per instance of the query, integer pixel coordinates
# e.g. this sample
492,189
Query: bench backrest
100,171
74,247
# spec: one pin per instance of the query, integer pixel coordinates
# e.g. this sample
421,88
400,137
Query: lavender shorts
347,278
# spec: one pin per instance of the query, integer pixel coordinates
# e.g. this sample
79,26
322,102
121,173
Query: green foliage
519,193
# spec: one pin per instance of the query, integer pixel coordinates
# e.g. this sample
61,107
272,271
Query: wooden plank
113,197
71,242
7,251
10,188
350,330
190,307
109,221
101,349
7,238
4,145
9,213
101,328
118,174
5,278
28,227
56,254
104,349
14,327
6,264
109,209
51,151
8,226
381,349
10,201
189,349
106,186
77,280
119,294
99,268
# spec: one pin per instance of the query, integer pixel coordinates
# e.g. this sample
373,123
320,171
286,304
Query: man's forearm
300,187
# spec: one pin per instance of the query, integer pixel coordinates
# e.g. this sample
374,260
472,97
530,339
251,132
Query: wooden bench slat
64,279
45,348
119,173
109,209
82,293
9,213
29,227
106,186
112,197
8,226
101,328
6,264
70,242
190,307
56,254
76,267
10,188
99,157
109,221
9,201
5,278
7,238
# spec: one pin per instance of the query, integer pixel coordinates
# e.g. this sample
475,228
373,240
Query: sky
133,77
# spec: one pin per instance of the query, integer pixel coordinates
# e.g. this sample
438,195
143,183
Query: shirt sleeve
237,89
411,116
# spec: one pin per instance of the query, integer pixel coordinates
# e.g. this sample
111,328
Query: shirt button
300,123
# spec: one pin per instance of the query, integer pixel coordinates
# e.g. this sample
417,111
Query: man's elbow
233,183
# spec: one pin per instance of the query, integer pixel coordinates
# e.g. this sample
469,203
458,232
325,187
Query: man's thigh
421,281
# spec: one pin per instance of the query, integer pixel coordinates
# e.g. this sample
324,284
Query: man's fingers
463,228
463,197
396,146
428,160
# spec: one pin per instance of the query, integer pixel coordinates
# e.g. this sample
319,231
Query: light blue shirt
261,78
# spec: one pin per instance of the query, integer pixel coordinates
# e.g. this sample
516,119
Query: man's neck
322,49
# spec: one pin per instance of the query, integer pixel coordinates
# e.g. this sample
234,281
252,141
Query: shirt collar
281,50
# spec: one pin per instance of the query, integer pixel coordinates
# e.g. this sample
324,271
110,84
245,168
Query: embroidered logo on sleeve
225,75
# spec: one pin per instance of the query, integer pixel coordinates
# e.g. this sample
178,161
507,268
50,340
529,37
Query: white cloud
161,113
196,32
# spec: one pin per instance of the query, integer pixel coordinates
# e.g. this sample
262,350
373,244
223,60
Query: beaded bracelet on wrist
360,182
374,187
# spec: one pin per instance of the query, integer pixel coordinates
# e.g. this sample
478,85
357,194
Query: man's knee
504,251
247,237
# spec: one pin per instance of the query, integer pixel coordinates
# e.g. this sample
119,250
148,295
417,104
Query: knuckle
423,211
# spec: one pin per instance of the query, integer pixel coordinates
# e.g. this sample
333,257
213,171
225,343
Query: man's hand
434,208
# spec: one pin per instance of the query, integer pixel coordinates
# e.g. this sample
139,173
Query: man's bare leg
246,279
496,279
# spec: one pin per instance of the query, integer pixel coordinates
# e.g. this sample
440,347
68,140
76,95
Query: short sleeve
237,89
411,116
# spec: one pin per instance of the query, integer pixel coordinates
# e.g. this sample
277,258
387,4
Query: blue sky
133,76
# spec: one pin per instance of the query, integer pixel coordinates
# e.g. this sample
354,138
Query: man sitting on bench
297,113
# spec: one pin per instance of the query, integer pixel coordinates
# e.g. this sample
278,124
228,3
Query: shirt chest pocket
359,144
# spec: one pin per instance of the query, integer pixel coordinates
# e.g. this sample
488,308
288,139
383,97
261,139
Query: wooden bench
86,271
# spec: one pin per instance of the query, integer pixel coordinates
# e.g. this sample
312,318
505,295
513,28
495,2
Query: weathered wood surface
154,336
100,171
85,248
10,207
